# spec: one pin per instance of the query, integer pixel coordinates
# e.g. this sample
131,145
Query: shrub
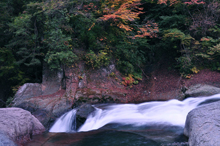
97,60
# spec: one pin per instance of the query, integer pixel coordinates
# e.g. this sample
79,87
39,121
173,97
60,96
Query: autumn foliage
123,12
131,34
197,2
128,80
173,2
127,11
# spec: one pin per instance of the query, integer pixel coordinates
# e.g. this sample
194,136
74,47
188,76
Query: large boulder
47,109
203,125
26,91
5,140
19,125
201,90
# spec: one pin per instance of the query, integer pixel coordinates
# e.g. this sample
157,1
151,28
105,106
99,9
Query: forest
132,34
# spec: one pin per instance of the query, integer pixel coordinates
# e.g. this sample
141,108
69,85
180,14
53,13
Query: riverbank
61,91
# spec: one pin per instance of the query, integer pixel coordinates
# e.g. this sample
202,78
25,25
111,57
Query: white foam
173,112
66,123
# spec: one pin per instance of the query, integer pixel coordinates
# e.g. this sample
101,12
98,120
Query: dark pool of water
115,135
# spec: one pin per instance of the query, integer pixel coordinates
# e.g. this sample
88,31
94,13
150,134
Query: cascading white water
172,112
66,123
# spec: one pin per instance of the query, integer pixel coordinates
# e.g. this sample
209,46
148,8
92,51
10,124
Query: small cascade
66,123
172,112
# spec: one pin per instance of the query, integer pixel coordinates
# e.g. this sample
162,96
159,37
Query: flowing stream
165,116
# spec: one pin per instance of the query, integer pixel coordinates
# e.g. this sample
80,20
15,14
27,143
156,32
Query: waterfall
172,112
66,123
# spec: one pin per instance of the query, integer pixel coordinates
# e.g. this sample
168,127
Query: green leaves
55,59
131,54
9,70
173,21
60,32
97,60
174,34
7,61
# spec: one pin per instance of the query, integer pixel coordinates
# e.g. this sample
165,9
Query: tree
126,11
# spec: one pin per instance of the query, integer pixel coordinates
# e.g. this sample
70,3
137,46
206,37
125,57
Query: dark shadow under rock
82,114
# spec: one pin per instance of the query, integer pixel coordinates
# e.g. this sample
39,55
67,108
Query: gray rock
106,71
52,80
83,81
47,110
82,113
61,107
5,140
26,91
19,124
201,90
203,125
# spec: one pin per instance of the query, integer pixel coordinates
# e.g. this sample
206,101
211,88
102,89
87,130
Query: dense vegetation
130,33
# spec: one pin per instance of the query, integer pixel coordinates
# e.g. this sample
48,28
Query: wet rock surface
202,125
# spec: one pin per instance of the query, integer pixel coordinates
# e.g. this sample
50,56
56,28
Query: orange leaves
124,11
89,7
126,27
129,81
127,11
102,39
194,2
93,24
205,39
122,14
150,29
173,2
107,17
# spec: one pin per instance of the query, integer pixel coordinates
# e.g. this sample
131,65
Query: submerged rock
203,125
19,125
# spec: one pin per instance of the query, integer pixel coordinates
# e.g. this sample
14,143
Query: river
150,123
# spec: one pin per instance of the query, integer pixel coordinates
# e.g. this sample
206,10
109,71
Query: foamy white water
66,123
172,112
